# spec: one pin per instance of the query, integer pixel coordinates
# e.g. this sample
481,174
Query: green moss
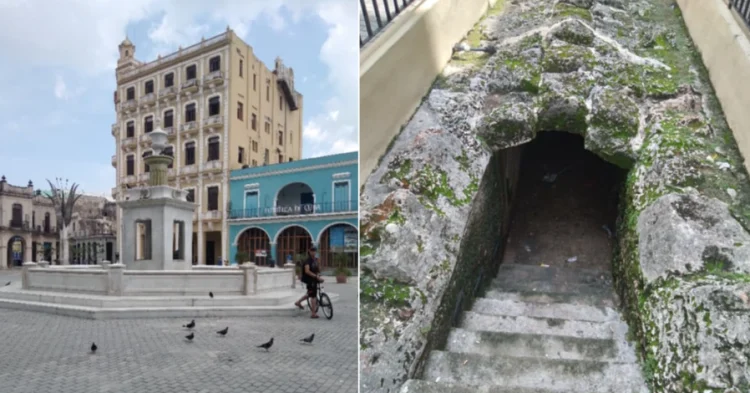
552,119
400,172
420,245
566,10
396,217
432,183
568,58
365,250
388,292
463,161
496,9
529,74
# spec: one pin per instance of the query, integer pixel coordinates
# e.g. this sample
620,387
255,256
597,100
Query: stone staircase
537,330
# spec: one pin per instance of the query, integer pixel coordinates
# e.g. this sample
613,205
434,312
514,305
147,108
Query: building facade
28,226
279,211
223,110
93,231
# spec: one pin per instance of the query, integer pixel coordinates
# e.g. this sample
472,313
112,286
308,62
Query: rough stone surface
680,234
647,106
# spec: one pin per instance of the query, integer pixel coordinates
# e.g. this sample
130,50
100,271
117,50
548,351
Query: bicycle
324,302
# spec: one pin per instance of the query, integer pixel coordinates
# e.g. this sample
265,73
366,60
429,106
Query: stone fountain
156,277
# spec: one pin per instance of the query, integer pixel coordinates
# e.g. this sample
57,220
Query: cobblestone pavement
43,353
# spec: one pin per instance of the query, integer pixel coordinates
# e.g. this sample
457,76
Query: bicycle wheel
325,304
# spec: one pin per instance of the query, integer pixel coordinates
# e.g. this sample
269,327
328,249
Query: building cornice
295,170
293,219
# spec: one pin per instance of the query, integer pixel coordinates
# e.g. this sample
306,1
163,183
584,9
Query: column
273,255
27,250
224,245
226,101
199,163
3,255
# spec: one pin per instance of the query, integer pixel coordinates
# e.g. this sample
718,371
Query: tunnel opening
566,205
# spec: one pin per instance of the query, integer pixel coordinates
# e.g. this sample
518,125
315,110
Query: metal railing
374,15
294,210
743,9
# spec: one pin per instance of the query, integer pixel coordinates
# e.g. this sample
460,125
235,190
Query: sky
57,73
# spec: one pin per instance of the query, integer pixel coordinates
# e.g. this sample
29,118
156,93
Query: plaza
48,353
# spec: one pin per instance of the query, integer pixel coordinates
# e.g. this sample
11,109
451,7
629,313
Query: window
145,166
190,71
148,124
281,103
47,223
255,163
281,137
254,122
130,129
190,153
241,155
17,218
130,165
240,110
169,151
214,64
190,195
213,106
149,87
168,118
268,127
265,158
189,112
281,158
169,80
213,148
268,92
255,146
213,198
254,82
130,93
178,241
142,240
241,68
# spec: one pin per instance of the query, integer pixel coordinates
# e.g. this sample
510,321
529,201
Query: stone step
534,325
533,373
543,346
536,272
419,386
552,279
579,312
594,300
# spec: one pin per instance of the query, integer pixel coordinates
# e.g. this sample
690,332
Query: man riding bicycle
311,278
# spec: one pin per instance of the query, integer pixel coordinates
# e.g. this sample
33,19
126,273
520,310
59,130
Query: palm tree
64,199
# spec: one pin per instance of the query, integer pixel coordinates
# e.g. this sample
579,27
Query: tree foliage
64,198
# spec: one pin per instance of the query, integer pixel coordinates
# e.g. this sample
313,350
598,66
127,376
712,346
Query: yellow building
222,108
28,226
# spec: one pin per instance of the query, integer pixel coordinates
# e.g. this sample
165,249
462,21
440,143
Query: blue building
278,211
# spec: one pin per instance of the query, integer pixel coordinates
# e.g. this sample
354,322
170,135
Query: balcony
214,122
168,93
147,100
190,86
324,208
213,165
170,131
145,138
18,224
114,161
128,141
215,78
189,170
171,172
129,105
143,177
129,179
285,78
189,126
115,130
211,215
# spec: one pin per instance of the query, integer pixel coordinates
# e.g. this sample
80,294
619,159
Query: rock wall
624,75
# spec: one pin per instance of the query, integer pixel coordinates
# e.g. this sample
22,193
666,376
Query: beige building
28,225
222,108
93,231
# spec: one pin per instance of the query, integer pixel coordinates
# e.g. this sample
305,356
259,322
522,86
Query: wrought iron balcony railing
295,210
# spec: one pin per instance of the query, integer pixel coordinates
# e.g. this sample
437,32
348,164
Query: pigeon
223,332
211,294
266,345
190,336
190,325
309,340
93,347
7,283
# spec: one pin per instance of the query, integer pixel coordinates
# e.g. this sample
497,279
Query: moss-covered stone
614,122
573,32
565,10
562,113
512,123
567,58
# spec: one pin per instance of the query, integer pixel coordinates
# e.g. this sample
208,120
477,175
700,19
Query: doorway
210,252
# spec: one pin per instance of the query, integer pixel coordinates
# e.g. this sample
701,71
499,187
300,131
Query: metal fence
743,9
374,15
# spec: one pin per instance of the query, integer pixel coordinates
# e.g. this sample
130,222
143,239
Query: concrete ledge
725,49
399,65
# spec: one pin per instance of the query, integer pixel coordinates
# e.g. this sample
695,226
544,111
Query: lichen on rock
510,124
614,123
